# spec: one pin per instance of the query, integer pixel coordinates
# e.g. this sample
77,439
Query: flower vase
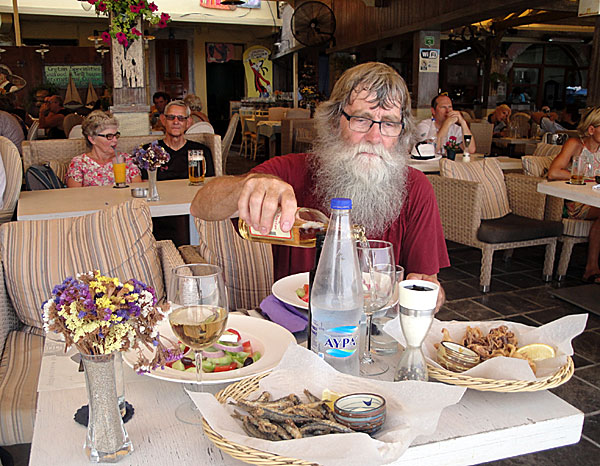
107,440
152,188
450,154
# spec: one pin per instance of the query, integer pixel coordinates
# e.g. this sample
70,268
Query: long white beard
376,185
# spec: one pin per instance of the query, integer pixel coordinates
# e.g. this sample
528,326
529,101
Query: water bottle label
341,342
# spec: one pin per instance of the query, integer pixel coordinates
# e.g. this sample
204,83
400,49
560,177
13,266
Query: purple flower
81,314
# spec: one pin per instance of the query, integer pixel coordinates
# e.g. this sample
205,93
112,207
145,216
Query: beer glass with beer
119,170
196,167
579,168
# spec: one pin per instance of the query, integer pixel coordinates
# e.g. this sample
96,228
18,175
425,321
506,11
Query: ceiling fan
313,23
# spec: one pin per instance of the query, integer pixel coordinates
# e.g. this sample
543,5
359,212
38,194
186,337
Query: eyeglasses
390,129
179,117
110,136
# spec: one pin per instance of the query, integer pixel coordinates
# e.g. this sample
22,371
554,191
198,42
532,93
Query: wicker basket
507,386
238,391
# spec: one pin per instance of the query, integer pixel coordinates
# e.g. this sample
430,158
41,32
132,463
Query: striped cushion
37,255
544,150
536,166
19,373
489,174
247,266
576,227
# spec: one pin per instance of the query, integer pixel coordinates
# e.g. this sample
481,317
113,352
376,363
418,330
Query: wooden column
425,84
129,93
593,85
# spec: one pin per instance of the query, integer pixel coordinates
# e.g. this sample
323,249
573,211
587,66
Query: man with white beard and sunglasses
364,135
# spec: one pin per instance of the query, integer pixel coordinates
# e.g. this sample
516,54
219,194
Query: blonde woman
94,167
588,143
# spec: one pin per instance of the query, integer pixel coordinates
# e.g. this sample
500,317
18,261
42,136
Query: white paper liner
413,409
558,334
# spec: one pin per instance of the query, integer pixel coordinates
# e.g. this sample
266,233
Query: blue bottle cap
341,203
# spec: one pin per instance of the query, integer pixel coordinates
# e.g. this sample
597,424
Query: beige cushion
536,166
37,255
247,266
19,373
577,227
489,174
543,150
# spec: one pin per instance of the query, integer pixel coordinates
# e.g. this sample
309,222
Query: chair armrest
169,259
191,254
459,203
523,197
8,317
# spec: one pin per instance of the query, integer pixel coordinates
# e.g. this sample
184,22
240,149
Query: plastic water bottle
336,299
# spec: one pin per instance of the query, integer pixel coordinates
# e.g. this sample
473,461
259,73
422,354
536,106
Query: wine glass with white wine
198,317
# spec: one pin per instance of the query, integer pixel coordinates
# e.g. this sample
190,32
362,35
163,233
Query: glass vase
107,440
152,188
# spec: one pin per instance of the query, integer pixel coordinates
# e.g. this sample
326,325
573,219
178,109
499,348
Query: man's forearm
218,198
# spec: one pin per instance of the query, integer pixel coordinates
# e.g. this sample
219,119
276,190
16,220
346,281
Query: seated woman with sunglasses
94,168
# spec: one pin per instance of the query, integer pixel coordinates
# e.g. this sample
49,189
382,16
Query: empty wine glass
198,317
467,141
378,267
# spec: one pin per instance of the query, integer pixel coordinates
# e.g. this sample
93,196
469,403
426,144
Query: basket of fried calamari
500,356
285,416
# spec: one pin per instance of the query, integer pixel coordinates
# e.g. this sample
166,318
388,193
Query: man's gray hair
385,85
178,103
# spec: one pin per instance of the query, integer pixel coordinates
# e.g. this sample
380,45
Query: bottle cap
341,203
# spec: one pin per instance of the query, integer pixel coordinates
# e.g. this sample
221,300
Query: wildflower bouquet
99,315
451,144
151,158
125,15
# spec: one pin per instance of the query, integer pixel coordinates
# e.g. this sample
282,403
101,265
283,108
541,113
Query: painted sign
58,75
219,53
429,60
589,7
259,71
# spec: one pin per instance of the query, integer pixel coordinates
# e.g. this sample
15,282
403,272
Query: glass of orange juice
119,170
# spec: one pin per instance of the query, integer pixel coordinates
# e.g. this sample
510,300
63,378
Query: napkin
413,409
596,187
283,314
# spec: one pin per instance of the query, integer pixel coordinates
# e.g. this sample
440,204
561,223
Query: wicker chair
460,204
14,178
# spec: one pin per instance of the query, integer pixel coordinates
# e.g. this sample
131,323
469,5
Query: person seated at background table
499,118
160,99
94,167
547,122
195,104
588,143
52,115
364,134
445,123
569,117
11,128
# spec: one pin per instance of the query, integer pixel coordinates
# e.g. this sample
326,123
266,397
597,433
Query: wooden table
271,130
585,296
175,199
482,427
516,146
433,166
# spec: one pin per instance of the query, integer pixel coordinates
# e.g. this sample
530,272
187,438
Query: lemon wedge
330,397
537,351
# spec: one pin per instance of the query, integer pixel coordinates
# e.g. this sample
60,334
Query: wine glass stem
367,354
198,362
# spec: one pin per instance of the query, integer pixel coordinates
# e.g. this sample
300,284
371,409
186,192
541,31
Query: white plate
285,288
270,339
437,157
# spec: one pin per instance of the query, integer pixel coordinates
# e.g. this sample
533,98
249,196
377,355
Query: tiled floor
517,294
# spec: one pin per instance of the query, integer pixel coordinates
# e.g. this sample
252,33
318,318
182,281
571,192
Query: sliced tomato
247,346
235,332
228,367
305,297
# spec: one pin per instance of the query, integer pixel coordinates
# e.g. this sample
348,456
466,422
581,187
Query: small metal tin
139,192
455,357
362,412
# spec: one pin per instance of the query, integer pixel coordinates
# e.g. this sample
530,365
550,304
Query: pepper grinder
417,299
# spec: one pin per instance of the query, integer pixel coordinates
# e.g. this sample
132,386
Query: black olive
248,361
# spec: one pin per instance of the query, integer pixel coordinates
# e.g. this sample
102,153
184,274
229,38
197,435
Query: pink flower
135,8
122,39
101,6
164,17
452,138
106,37
134,31
92,1
162,24
152,6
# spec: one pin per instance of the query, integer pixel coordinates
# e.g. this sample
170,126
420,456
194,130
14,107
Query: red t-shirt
416,234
